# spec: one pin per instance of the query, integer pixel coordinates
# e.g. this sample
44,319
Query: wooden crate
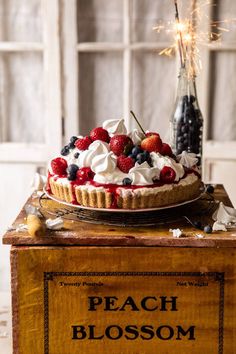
102,289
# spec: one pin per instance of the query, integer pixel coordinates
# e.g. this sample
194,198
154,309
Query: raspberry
167,174
83,143
99,134
125,163
121,144
166,150
85,174
59,166
152,143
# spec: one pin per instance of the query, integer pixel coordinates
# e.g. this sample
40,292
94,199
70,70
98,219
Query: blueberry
71,176
185,135
185,143
136,150
207,229
184,128
132,156
180,147
71,145
180,139
76,155
65,151
146,154
141,158
127,181
72,169
73,139
198,224
210,189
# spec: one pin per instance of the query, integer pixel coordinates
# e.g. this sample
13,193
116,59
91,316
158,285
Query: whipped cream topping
115,126
63,181
116,177
160,161
136,136
187,159
143,174
86,157
104,163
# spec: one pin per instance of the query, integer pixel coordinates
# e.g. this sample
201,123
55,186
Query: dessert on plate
110,168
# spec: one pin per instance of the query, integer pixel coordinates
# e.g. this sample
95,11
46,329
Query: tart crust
141,198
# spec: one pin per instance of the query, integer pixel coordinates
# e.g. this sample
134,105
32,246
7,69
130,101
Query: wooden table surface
83,233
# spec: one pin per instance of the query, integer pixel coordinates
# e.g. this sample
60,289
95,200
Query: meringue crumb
199,236
219,226
17,228
21,227
55,224
176,233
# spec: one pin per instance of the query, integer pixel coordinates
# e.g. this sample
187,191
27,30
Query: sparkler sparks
188,35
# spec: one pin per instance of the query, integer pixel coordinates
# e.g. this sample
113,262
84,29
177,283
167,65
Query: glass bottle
186,122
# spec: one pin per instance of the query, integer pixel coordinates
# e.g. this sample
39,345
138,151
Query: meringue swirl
136,136
104,163
86,157
187,159
115,126
143,174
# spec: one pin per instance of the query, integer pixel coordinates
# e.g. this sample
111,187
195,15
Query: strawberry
85,174
83,143
152,143
125,163
99,134
167,174
166,150
59,166
151,133
121,144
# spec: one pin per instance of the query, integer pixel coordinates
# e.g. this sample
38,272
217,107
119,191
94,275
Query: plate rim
171,206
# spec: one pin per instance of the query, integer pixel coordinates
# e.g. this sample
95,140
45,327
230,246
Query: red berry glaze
99,134
166,150
83,143
167,175
152,143
121,144
125,163
59,166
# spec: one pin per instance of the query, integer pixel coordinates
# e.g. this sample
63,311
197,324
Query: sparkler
188,37
179,29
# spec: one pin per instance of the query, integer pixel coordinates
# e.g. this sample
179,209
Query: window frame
50,49
72,52
214,151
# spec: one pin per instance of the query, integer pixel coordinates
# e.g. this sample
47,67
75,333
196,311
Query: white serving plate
120,210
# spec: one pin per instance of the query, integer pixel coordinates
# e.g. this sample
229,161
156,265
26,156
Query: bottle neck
186,85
